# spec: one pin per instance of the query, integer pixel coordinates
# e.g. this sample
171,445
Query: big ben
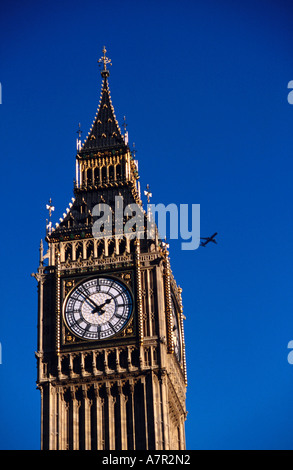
111,352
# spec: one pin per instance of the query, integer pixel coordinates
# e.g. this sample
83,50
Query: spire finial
125,131
50,208
79,131
105,60
78,140
147,193
134,150
124,123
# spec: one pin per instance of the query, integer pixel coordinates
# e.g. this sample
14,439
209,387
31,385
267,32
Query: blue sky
203,86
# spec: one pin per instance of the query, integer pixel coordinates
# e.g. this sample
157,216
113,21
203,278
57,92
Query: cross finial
79,131
125,131
50,208
78,140
147,193
124,123
105,60
165,244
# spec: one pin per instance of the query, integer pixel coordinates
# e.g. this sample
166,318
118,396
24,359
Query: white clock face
98,308
176,333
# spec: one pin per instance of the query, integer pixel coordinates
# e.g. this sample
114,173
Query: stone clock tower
111,357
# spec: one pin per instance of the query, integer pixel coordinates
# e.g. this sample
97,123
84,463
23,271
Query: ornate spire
105,132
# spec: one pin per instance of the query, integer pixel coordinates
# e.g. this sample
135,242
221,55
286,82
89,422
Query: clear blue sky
203,86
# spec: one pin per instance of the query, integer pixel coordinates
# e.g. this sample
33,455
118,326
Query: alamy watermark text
175,221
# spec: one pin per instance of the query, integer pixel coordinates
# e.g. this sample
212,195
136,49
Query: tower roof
105,132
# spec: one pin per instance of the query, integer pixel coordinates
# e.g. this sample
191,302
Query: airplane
208,239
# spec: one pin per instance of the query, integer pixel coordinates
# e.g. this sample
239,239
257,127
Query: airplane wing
208,239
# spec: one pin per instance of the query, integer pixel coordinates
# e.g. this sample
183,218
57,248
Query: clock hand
90,300
89,303
99,308
106,302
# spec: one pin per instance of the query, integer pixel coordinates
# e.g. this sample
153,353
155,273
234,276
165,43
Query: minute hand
89,299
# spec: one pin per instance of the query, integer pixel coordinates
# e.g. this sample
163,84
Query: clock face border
75,337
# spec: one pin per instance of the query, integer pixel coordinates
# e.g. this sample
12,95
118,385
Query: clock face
176,333
98,308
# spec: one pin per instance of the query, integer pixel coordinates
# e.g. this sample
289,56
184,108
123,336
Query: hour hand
106,302
99,308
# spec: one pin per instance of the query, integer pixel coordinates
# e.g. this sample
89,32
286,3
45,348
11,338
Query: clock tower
111,355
